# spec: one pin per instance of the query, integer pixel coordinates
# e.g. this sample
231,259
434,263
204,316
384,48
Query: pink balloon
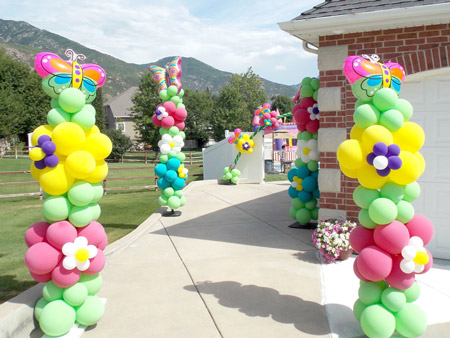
255,121
65,278
180,125
42,258
429,264
374,263
301,127
307,102
392,237
302,116
103,244
170,107
180,114
313,126
155,121
397,278
167,122
266,116
422,227
94,233
36,233
60,233
41,278
356,270
97,264
360,238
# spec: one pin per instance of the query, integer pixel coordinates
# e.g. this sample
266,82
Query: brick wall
417,49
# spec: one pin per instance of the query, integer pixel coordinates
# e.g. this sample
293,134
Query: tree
236,103
283,103
144,105
121,143
100,119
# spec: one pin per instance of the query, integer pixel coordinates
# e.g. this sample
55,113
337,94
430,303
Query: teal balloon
98,192
393,299
95,210
293,212
370,293
57,318
392,119
303,216
162,200
358,309
311,204
412,293
80,216
85,118
385,98
173,164
313,165
304,196
178,183
162,183
161,169
303,172
81,194
291,174
170,176
412,192
297,204
56,208
71,100
405,211
76,294
316,193
364,196
168,192
91,311
173,202
411,321
172,90
309,183
173,131
366,115
292,192
393,191
41,303
383,211
93,283
377,322
52,292
405,108
57,116
365,220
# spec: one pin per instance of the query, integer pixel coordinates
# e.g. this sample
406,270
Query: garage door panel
443,90
414,93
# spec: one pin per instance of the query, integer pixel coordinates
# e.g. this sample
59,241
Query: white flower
169,143
314,112
78,254
414,255
307,150
161,113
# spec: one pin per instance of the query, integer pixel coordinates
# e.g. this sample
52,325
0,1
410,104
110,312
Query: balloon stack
383,154
170,117
66,250
304,188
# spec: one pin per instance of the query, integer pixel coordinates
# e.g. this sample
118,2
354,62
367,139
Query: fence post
15,151
104,187
121,158
41,196
190,157
145,158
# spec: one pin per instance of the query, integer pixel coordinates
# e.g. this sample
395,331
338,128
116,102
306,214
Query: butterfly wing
357,67
95,73
397,73
159,77
50,63
54,84
174,72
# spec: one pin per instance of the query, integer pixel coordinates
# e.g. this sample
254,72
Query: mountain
23,41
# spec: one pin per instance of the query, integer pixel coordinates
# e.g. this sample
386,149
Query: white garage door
430,97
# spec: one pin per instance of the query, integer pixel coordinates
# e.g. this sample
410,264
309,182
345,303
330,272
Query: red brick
393,31
429,59
327,43
322,38
345,42
406,48
372,33
406,36
385,37
428,46
365,39
392,43
445,32
422,64
327,78
429,33
434,27
444,57
438,39
352,35
373,45
354,47
414,29
385,50
414,41
334,72
436,61
334,37
415,63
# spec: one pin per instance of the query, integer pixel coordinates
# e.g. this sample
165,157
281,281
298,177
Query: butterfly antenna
374,58
73,57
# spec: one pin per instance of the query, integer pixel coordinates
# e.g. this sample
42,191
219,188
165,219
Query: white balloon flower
414,255
307,150
78,254
169,143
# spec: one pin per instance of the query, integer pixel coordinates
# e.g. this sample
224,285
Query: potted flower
332,239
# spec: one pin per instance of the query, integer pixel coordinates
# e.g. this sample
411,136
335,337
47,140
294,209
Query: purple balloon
380,149
384,172
51,161
39,164
42,139
393,149
48,147
394,162
370,157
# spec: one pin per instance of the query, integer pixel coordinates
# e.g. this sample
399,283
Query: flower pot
344,254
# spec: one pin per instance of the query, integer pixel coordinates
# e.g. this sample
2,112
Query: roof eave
309,30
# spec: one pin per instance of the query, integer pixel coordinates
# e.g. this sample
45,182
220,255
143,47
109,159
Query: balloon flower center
82,255
421,258
385,158
306,151
297,184
246,146
268,123
43,154
172,144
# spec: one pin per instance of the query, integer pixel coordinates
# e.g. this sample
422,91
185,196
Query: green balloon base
171,213
309,225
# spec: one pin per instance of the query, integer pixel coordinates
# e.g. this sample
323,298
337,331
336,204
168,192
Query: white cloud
280,67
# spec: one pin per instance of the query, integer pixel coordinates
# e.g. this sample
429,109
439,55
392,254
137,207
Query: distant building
118,113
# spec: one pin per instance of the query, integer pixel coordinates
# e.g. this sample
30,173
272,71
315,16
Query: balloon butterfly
168,76
59,74
236,136
367,75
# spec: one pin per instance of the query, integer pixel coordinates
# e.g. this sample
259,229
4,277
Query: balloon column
383,154
66,250
304,188
170,117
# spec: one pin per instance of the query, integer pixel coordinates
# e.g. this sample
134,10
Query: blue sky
230,35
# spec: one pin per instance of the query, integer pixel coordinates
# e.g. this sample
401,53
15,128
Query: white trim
124,126
427,73
310,29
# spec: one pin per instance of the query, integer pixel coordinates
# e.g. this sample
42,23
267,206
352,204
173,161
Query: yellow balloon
55,181
409,171
98,145
36,154
422,162
39,131
374,134
350,155
99,173
68,137
409,137
93,130
356,132
352,173
369,178
80,164
35,172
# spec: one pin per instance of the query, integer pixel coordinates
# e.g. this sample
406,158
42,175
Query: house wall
417,49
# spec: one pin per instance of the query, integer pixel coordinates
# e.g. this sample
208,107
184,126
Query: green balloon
180,105
235,172
81,194
315,213
163,95
173,202
181,156
311,204
315,136
80,216
41,303
98,191
176,100
385,99
172,154
393,299
293,212
168,192
54,102
313,165
91,311
228,176
412,192
359,102
316,95
182,201
173,131
392,119
85,118
299,163
297,204
71,100
383,211
363,197
163,131
76,294
377,322
162,200
303,216
358,308
93,283
52,292
306,91
392,191
411,321
405,108
178,193
57,116
306,81
305,135
366,115
315,83
405,211
182,134
164,158
172,91
181,93
369,293
56,208
235,179
95,210
49,90
57,318
412,293
365,220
